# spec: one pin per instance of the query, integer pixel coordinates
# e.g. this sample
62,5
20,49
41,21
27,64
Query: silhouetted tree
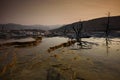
107,31
77,27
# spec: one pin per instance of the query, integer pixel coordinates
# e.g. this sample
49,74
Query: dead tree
107,31
77,27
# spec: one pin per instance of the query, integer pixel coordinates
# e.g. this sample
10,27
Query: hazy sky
52,12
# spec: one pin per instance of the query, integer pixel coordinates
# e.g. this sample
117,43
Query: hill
98,24
12,26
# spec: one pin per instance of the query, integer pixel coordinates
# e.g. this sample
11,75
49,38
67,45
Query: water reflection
87,63
86,45
83,45
108,43
53,74
62,71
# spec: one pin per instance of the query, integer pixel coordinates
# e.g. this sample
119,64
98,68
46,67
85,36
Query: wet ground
98,62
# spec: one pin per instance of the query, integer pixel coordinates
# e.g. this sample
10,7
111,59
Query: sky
55,12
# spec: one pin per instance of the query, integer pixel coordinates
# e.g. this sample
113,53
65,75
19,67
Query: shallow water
100,62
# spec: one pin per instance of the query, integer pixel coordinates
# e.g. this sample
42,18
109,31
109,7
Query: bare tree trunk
107,29
78,31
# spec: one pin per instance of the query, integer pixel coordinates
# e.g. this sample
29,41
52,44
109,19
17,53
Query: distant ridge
98,24
12,26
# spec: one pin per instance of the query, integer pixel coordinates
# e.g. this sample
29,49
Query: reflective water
101,62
